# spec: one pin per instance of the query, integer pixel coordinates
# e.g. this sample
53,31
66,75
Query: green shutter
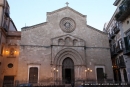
126,43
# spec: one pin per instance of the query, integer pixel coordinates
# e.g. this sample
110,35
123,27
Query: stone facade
46,46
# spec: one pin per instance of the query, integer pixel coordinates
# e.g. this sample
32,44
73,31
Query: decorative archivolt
68,53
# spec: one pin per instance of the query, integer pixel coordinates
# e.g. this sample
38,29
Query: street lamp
87,71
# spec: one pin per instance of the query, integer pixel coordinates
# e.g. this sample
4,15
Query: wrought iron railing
124,11
84,83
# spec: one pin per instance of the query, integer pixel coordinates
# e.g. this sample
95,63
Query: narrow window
33,75
100,74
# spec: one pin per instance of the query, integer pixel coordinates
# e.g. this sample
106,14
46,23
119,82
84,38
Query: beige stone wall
36,44
34,56
99,57
2,1
6,59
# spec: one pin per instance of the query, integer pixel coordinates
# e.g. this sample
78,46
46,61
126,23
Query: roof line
33,26
67,7
97,29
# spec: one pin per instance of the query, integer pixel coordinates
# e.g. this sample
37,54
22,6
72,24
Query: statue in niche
11,51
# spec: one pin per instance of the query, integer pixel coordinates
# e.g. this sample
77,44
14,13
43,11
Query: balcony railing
122,62
113,50
7,12
124,11
113,34
109,36
116,29
127,45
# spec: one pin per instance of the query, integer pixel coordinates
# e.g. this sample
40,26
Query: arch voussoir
68,52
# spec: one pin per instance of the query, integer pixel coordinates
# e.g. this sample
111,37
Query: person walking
72,84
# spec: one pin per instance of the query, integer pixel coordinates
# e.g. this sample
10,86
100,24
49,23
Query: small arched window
75,42
68,41
60,42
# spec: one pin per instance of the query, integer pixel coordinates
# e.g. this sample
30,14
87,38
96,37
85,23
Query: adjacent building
9,45
118,30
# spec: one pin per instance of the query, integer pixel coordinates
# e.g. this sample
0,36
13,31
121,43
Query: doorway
100,75
68,71
68,75
33,75
8,81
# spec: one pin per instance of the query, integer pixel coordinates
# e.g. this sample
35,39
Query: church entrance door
68,70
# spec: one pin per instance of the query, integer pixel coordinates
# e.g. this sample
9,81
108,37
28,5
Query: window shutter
126,44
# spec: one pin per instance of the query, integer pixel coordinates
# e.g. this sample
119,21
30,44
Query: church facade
64,48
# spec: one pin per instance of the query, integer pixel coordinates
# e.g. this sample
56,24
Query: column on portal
60,72
59,68
122,75
76,72
57,72
84,73
80,69
52,72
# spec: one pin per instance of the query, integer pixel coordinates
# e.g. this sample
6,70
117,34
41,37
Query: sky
32,12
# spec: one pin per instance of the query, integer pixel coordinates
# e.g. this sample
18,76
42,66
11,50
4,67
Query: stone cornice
49,13
65,46
116,2
2,5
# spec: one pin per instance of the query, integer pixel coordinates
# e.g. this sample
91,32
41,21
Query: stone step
68,85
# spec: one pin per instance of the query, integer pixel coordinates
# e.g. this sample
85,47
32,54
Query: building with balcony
118,30
9,45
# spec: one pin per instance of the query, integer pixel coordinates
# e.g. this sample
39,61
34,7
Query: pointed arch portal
68,70
69,63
